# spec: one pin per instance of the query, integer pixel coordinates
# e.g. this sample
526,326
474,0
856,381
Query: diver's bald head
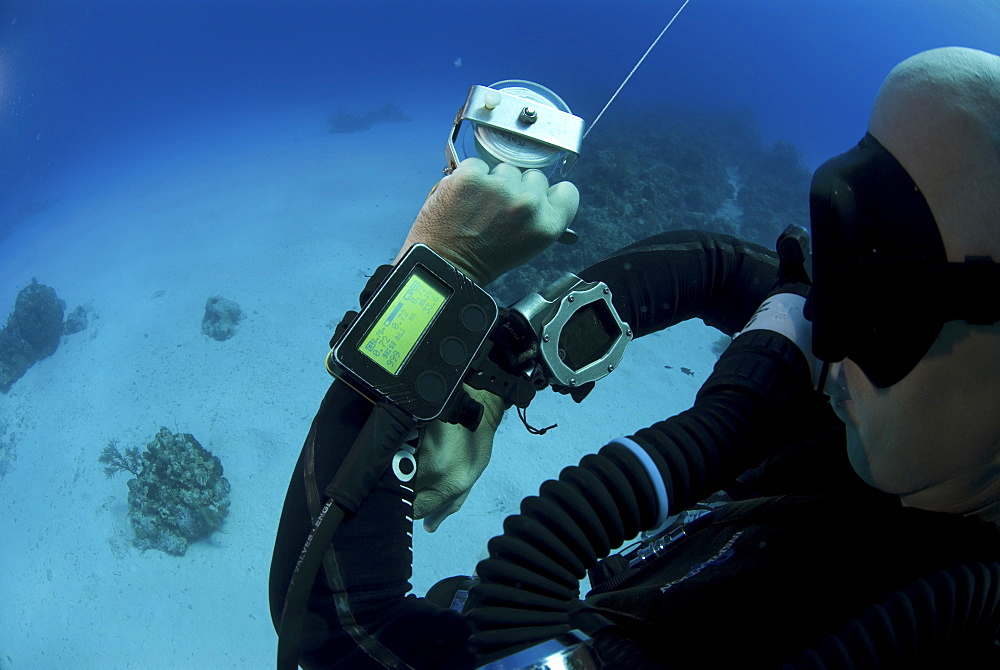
938,113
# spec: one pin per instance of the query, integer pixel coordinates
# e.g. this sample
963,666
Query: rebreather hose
667,27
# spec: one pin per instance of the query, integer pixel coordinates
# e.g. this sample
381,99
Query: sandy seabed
286,219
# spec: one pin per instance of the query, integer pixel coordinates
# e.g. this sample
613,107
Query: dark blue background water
76,76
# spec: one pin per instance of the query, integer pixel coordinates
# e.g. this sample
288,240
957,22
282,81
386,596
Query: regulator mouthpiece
517,122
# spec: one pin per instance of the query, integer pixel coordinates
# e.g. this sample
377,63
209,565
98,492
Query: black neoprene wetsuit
803,547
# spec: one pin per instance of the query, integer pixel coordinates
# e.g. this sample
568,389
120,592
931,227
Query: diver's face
867,414
932,438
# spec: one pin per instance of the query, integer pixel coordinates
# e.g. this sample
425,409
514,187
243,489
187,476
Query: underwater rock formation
79,319
32,331
672,170
222,315
178,494
346,122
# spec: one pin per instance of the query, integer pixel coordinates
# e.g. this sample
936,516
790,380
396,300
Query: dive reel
521,123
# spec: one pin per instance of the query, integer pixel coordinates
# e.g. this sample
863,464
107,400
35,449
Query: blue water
77,76
135,134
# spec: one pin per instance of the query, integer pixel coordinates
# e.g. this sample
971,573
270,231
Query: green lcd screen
401,325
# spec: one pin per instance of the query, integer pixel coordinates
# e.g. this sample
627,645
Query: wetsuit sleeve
679,275
358,616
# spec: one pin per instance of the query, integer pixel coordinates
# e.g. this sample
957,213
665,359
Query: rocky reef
32,332
342,121
670,170
178,493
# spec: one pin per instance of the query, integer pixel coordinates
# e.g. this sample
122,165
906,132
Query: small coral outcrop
222,315
79,319
178,494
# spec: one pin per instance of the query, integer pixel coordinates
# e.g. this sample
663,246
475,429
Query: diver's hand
451,459
487,222
783,310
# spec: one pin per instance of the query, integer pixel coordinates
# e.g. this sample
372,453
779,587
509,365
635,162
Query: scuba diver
766,542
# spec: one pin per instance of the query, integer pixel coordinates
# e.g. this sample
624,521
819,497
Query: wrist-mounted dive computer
414,340
425,328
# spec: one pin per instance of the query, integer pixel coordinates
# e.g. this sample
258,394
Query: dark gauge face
588,335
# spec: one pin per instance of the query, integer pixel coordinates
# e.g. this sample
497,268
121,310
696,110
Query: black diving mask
882,284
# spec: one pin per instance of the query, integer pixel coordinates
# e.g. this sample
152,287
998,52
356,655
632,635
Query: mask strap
824,372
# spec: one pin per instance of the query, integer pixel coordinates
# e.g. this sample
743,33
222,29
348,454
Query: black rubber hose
687,274
529,585
949,619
